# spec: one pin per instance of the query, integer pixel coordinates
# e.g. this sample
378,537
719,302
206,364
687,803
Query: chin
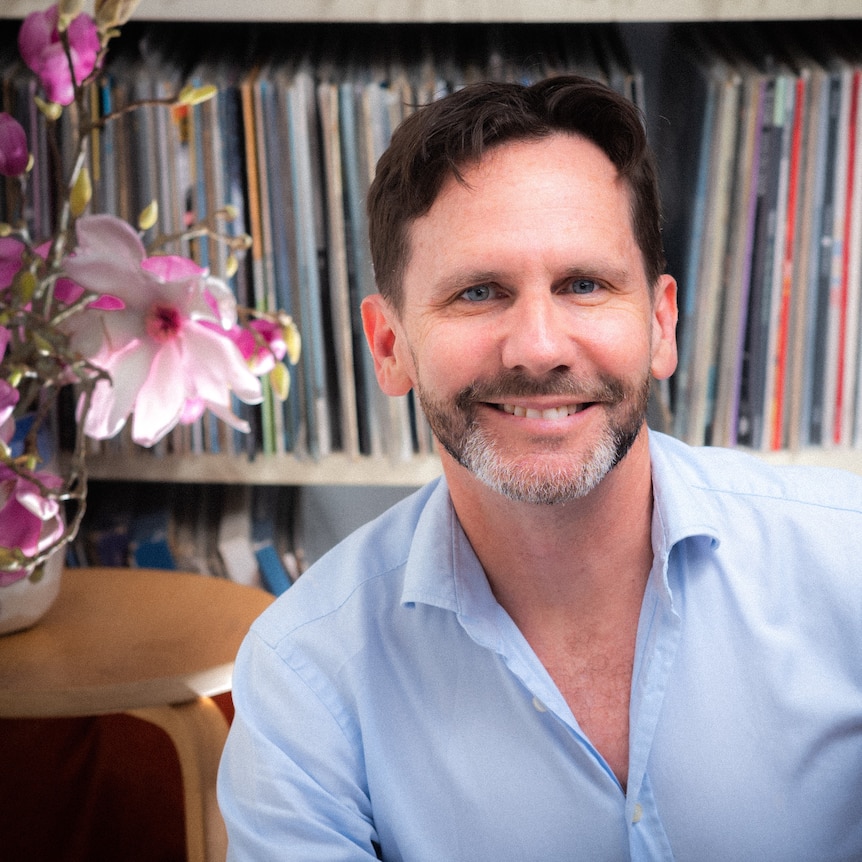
543,479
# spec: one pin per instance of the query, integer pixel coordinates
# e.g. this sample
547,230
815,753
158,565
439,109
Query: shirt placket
658,638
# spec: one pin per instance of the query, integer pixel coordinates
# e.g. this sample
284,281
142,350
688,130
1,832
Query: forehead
571,153
540,199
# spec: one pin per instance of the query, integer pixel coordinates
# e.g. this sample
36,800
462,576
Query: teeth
552,413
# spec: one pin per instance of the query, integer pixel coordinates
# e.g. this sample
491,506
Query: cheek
449,356
620,345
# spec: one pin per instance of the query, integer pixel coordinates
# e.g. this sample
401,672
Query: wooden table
155,644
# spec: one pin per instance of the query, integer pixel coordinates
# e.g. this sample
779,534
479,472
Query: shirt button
539,706
637,813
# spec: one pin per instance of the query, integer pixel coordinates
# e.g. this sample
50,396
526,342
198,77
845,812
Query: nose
537,338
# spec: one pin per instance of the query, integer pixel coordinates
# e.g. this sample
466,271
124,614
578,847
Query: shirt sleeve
291,781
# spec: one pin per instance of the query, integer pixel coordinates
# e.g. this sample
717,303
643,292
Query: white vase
24,602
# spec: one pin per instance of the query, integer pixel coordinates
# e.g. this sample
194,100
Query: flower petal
14,154
85,45
37,31
11,257
220,298
108,260
22,524
112,403
171,267
41,49
228,416
193,409
37,505
9,397
218,365
160,402
53,71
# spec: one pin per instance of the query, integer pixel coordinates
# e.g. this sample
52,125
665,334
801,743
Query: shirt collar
429,570
680,508
442,569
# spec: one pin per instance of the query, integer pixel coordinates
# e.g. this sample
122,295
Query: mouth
550,413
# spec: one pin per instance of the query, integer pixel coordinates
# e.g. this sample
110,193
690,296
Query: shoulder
761,547
734,473
343,620
364,569
776,536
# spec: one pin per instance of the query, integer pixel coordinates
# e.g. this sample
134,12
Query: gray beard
461,436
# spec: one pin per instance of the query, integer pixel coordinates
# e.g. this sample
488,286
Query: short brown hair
437,140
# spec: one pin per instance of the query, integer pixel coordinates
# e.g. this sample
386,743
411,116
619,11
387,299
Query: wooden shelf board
387,11
839,458
264,470
342,470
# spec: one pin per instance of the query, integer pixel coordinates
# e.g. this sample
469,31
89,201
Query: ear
387,342
664,318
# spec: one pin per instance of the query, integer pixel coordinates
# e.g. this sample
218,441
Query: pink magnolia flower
28,521
41,49
261,344
13,147
160,348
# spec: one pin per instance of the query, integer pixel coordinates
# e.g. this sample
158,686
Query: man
587,641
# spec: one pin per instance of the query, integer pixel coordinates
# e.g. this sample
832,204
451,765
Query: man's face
527,330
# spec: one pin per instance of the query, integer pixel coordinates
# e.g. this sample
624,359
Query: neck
579,562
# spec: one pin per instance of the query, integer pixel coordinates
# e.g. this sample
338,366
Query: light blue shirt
388,698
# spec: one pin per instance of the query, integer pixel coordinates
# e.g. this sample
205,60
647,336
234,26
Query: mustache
512,384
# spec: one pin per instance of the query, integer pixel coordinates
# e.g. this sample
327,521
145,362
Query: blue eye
479,293
584,286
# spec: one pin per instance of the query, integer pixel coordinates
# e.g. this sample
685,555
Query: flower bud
39,44
24,285
292,339
114,13
149,215
279,380
68,11
51,110
37,574
191,95
10,559
14,155
81,193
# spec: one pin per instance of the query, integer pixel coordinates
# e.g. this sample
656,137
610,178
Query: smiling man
587,641
528,326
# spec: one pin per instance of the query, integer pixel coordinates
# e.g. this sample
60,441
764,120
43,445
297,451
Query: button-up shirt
388,704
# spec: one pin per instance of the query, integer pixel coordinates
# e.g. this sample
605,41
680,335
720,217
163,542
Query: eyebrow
462,279
459,280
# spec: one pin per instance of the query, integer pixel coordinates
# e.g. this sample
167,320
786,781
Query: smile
551,413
